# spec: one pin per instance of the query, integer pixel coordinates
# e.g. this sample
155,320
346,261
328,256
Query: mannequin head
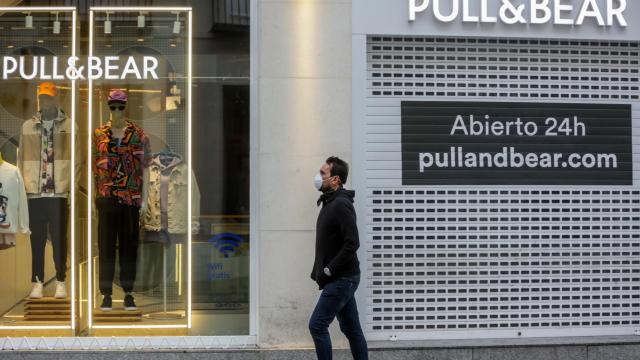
117,102
117,111
48,100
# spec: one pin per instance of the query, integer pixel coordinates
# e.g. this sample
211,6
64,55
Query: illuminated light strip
189,161
43,327
37,8
140,326
73,179
140,8
80,291
189,176
89,185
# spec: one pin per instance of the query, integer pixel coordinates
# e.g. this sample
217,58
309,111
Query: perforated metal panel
515,260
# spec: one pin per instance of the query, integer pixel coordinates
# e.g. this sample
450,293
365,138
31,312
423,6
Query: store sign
500,143
559,12
107,67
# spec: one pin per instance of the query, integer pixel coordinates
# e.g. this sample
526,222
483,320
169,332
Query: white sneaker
61,290
36,291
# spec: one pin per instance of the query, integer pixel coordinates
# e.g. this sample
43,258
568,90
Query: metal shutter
497,261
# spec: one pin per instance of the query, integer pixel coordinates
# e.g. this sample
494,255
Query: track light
56,25
141,20
28,21
107,25
177,24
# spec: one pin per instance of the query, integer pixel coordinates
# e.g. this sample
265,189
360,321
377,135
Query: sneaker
61,290
106,303
129,304
36,290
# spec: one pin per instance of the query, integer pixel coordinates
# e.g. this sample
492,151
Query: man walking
336,268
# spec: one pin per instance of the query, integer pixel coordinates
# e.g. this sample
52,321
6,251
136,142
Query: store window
133,169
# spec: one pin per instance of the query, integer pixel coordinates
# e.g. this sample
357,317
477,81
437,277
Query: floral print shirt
118,164
47,186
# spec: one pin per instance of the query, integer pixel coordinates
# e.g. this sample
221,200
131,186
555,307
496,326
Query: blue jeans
337,300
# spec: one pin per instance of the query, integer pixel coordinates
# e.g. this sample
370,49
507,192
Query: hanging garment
14,210
165,218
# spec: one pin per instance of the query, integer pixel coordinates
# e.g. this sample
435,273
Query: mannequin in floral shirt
121,154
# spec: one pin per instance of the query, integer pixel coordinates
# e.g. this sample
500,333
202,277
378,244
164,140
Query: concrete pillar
304,115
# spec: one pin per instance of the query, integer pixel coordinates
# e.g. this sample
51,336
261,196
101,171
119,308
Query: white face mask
317,182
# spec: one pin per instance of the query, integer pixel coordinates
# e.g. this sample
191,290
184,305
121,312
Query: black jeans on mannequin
48,214
118,228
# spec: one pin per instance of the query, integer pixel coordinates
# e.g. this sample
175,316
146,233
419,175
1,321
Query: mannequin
44,158
121,156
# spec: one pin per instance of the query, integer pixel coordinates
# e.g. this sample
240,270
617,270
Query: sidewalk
576,348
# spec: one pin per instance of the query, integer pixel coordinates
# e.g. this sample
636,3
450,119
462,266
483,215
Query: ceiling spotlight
141,20
107,25
177,24
10,46
56,25
28,21
40,41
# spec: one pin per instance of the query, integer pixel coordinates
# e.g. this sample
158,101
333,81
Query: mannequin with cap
121,156
44,158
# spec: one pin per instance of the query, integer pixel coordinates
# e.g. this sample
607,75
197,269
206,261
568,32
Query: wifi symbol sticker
226,243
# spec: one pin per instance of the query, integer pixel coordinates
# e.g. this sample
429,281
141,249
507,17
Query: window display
37,174
102,202
142,180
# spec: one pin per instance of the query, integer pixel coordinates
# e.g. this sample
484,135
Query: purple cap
117,96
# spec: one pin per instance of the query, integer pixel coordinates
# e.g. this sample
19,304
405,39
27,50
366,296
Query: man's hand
327,271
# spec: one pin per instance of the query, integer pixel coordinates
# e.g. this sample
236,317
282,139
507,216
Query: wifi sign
226,243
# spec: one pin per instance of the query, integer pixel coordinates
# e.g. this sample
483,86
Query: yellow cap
47,88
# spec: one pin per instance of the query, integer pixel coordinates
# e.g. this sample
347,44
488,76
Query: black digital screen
509,143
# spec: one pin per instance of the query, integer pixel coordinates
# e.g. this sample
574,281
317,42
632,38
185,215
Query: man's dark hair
339,168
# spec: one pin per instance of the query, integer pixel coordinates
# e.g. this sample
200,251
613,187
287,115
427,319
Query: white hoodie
14,211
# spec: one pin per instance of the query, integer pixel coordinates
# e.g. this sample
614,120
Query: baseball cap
47,88
117,96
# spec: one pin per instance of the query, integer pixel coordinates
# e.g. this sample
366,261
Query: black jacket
336,238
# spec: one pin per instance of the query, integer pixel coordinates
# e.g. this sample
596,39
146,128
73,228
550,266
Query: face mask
317,182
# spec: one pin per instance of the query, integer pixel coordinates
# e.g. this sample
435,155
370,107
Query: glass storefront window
37,174
143,190
157,208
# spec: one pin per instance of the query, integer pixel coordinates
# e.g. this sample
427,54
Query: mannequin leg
38,225
58,229
128,245
107,233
